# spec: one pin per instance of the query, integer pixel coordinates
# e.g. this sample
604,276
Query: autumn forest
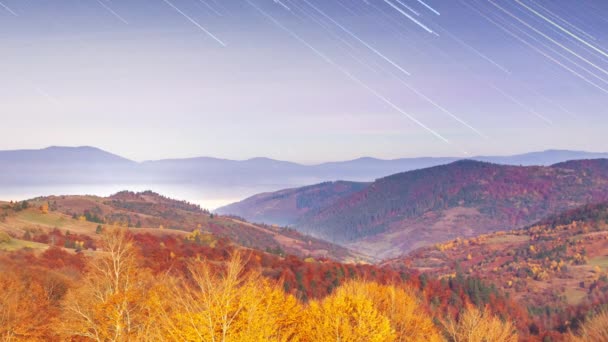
303,170
98,280
223,294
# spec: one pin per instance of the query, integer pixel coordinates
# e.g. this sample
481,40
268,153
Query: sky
304,80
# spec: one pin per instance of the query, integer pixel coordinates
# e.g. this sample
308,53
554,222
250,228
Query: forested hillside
285,207
151,288
408,210
80,277
557,269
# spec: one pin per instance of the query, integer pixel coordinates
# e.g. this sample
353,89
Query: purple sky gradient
73,73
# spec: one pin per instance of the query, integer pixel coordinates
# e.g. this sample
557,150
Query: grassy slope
16,244
156,215
526,262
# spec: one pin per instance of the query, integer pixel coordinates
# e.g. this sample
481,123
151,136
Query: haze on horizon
306,81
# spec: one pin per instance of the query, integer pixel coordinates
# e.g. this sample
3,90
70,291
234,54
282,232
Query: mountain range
404,211
461,233
89,165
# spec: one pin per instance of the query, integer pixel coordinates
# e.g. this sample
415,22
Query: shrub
4,237
594,329
476,325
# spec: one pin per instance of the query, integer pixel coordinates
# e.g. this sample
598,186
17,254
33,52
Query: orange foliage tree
110,304
25,308
595,329
227,303
474,325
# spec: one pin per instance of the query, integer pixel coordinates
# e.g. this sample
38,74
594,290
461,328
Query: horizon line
74,147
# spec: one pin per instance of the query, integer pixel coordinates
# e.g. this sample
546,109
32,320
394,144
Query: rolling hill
55,275
287,206
557,268
148,212
408,210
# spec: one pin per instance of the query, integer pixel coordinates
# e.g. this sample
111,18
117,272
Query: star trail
468,74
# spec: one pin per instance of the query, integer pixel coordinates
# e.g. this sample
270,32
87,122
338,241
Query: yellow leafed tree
44,208
346,316
110,303
24,309
402,310
476,325
229,304
595,329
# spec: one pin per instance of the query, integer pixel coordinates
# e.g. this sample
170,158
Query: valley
304,171
528,245
208,181
399,213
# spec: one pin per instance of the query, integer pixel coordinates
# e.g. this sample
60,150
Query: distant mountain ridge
61,165
85,164
212,182
411,209
58,154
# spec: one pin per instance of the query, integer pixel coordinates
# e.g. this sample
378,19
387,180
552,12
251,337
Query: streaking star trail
209,7
348,74
404,83
597,67
561,28
522,105
426,28
280,3
461,75
406,7
8,9
374,50
541,52
475,51
560,19
109,9
428,7
195,23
